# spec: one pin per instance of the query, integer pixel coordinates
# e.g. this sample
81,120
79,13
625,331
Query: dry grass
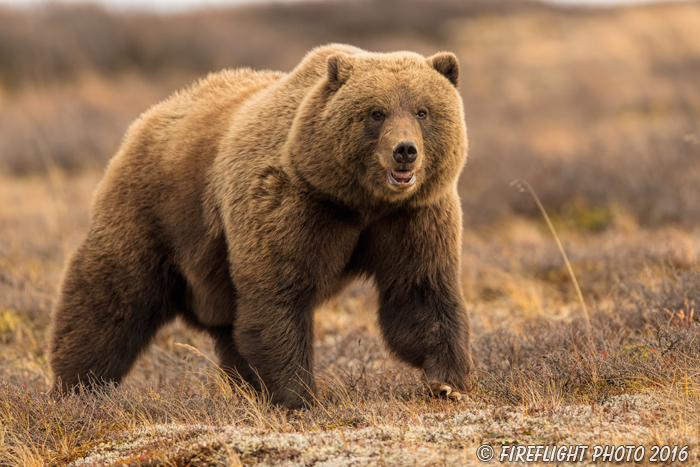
598,111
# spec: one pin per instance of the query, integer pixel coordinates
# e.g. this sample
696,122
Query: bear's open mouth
401,178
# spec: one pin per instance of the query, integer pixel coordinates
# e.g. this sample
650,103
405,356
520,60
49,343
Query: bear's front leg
275,336
287,252
415,259
425,323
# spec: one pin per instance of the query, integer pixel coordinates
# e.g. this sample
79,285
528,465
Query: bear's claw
444,391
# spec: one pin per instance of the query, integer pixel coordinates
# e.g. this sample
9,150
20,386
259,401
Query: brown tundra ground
597,109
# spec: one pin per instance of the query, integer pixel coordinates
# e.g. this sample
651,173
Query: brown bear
243,202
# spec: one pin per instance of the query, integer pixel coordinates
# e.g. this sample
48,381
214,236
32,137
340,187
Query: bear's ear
339,68
447,65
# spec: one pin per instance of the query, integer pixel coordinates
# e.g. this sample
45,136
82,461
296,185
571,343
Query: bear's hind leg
107,313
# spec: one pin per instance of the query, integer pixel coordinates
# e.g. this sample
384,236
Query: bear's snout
405,152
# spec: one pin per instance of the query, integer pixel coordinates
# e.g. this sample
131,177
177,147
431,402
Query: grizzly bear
243,202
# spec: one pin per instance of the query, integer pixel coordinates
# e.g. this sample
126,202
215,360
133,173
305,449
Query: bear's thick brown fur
243,202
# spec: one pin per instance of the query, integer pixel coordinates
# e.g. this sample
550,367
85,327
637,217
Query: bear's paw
443,390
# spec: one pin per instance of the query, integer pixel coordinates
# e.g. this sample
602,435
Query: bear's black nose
405,152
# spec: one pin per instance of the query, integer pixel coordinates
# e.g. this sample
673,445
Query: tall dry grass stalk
522,186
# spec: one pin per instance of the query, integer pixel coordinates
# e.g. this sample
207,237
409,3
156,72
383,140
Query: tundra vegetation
597,109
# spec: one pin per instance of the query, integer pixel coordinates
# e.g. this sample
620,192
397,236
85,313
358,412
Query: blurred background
597,107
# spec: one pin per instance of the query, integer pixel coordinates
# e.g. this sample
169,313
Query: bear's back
159,174
187,122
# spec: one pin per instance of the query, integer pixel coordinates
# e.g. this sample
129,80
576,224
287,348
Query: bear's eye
377,114
422,114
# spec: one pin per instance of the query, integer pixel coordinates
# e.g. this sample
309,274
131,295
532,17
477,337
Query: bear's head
382,128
